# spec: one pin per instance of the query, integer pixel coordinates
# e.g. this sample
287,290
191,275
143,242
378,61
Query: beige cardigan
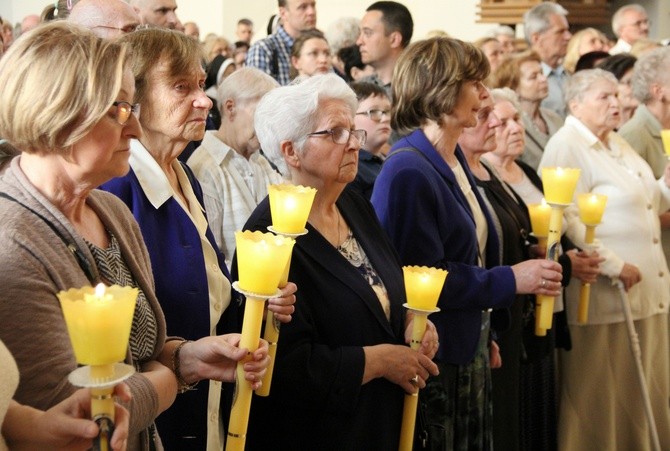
34,266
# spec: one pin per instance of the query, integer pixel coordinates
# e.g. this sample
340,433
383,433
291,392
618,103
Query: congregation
132,149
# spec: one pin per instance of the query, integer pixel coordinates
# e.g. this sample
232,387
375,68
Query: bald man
158,13
106,18
29,22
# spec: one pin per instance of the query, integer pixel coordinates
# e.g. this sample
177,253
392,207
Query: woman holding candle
523,74
428,203
342,365
629,241
58,232
192,283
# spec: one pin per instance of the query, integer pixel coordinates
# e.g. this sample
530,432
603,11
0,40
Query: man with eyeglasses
106,18
630,23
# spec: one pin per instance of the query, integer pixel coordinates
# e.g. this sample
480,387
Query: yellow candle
559,184
591,208
412,400
539,218
99,322
261,260
290,206
665,137
423,286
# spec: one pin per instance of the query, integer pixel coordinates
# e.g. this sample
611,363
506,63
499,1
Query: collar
365,155
650,121
151,177
548,70
216,148
284,36
590,138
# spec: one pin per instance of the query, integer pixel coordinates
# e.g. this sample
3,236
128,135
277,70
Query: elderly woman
232,172
191,277
629,242
342,365
524,396
310,55
523,74
428,203
58,232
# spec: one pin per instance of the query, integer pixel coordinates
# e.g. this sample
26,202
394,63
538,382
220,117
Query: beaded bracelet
182,386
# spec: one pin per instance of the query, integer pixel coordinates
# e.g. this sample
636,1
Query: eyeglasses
341,135
126,29
123,111
375,115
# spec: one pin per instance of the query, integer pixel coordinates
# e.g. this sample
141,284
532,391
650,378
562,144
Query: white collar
153,180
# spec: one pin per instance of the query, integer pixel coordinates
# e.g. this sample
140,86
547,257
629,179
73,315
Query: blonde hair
572,53
210,42
58,81
428,77
150,46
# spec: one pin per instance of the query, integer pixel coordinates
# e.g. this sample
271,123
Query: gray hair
583,80
343,33
537,19
502,30
244,84
289,113
617,18
652,67
506,95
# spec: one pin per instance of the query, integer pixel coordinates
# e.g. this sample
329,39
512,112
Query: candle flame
544,202
100,290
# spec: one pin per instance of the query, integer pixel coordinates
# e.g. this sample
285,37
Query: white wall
457,17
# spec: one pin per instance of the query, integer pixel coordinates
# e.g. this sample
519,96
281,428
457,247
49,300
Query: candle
261,260
290,206
591,209
665,137
98,322
559,184
423,286
539,220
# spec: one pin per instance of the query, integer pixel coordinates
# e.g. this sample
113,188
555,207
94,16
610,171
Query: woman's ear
229,109
290,153
294,62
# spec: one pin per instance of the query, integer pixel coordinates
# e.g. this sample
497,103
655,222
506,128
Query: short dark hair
365,90
618,64
589,60
396,17
246,22
351,57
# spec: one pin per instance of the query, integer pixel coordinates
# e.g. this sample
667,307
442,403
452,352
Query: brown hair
428,77
508,73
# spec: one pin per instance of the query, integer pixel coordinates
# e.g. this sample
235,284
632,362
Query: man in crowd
244,30
386,29
158,13
547,32
106,18
629,23
272,55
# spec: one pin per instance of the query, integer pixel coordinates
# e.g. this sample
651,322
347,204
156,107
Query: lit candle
559,184
539,221
665,137
559,187
591,209
289,207
98,323
261,260
423,286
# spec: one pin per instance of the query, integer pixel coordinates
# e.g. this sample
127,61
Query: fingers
120,437
284,306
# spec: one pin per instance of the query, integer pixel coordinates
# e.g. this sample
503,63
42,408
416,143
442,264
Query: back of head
58,81
290,113
537,19
618,64
154,45
343,33
590,60
508,73
427,80
651,68
246,83
396,17
351,57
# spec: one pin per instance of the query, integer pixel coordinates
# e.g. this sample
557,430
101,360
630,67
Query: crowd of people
132,150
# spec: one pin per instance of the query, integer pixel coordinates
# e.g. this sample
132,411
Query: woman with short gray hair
342,365
630,245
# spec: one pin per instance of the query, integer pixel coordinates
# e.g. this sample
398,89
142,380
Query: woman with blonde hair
583,41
